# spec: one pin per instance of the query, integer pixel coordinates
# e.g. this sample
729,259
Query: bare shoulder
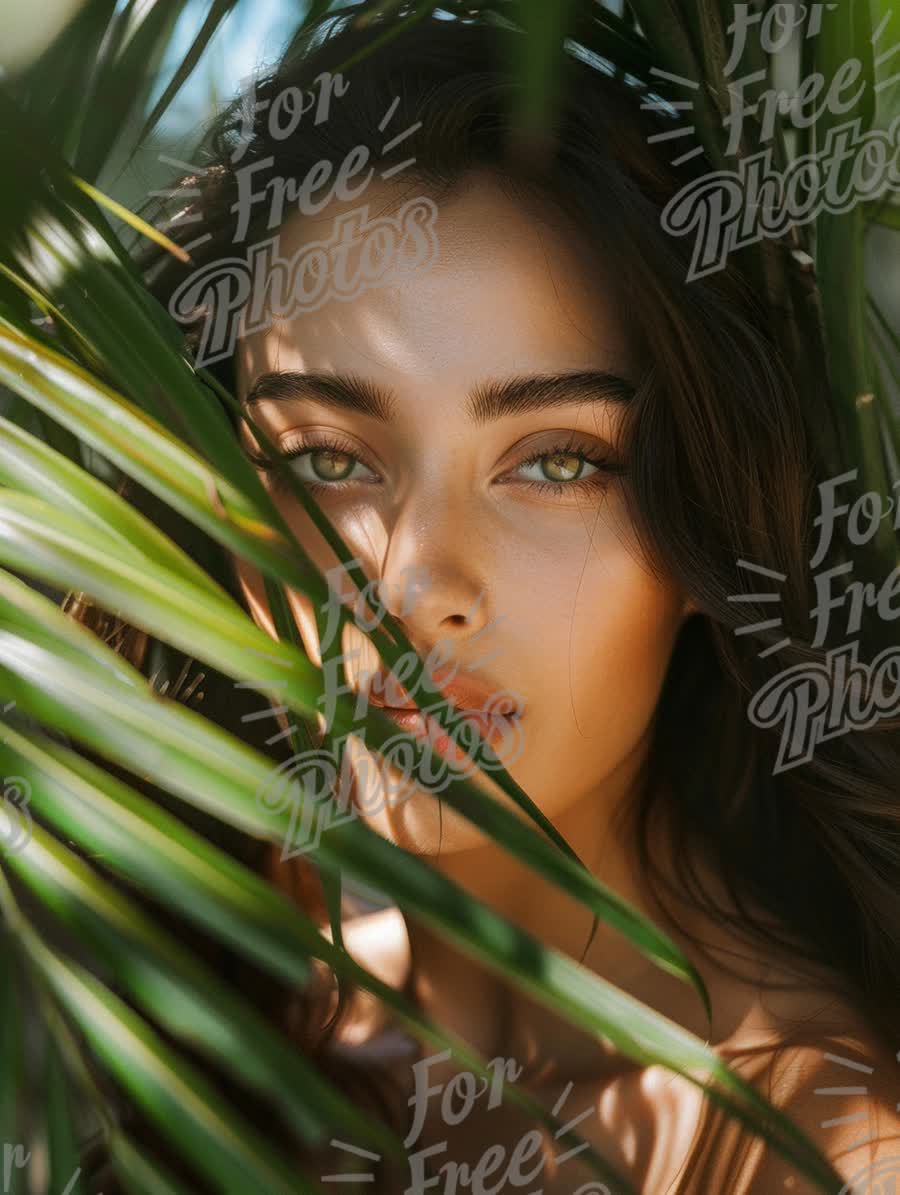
841,1092
661,1130
844,1098
377,941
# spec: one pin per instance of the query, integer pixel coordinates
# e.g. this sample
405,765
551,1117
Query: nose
430,604
431,588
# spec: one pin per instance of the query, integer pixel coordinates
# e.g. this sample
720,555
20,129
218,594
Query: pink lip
491,727
469,698
466,697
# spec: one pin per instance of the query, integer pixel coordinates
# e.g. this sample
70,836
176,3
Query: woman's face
487,506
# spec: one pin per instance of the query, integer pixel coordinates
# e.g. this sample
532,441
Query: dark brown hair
727,439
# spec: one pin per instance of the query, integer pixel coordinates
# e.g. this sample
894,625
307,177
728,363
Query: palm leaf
106,372
229,783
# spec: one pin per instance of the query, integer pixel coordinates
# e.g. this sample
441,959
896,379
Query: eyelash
308,444
320,442
605,467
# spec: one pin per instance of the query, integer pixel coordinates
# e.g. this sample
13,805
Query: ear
688,608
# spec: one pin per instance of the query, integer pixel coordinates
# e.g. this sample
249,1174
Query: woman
559,458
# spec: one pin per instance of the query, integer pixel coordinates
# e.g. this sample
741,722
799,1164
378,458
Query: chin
408,814
423,824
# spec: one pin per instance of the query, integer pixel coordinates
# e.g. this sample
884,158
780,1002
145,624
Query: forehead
510,290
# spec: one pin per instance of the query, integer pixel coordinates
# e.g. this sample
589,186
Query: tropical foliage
102,1005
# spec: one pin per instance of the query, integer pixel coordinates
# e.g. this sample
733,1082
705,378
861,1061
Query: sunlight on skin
551,588
509,568
551,584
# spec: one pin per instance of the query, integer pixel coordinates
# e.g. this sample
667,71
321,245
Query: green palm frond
103,382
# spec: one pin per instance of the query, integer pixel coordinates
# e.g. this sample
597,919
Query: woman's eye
558,467
329,465
324,466
319,464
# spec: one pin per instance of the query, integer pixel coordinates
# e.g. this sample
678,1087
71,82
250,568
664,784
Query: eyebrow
488,401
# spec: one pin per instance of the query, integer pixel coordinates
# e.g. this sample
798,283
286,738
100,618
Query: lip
470,699
466,697
492,728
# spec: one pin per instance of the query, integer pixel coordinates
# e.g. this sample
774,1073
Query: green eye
562,467
329,465
557,467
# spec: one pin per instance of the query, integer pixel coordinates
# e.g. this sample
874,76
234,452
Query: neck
493,1014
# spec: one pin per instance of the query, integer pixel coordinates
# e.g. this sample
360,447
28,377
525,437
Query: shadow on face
459,425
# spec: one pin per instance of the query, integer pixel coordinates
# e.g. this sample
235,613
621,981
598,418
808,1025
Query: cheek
625,624
607,628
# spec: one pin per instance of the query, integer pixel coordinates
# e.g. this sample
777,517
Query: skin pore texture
548,587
